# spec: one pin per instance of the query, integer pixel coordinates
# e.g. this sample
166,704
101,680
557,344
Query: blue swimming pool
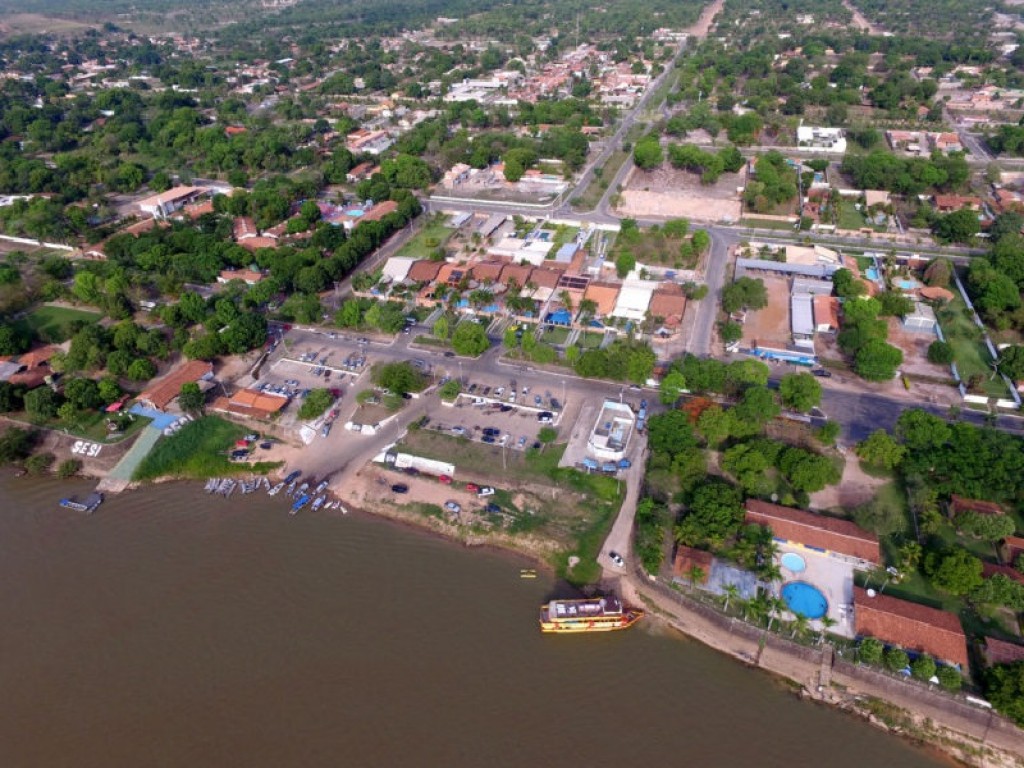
800,597
793,562
871,273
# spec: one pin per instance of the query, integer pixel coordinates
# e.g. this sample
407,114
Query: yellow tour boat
595,614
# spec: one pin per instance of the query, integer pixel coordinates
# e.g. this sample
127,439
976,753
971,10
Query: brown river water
175,629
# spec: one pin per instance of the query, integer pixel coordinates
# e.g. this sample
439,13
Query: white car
616,558
453,506
485,491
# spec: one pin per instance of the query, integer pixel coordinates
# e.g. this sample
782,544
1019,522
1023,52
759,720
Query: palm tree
732,592
827,622
566,299
775,606
801,624
695,573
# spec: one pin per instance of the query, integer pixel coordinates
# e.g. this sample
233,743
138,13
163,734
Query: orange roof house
248,276
520,273
1011,548
244,228
484,271
255,243
829,534
668,303
423,271
950,203
911,626
379,211
251,403
826,314
161,392
604,295
958,505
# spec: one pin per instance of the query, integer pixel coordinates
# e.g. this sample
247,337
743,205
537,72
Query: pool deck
833,577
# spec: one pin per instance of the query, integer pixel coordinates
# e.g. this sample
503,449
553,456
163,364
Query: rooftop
911,626
814,530
161,392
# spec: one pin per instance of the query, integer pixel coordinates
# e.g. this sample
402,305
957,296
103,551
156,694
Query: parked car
399,488
555,404
823,373
522,442
444,479
493,508
472,487
545,417
487,439
625,463
458,430
499,391
484,492
536,400
449,353
453,506
492,431
616,558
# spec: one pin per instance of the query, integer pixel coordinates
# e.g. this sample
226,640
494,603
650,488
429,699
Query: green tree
671,387
715,424
83,394
68,468
828,432
877,361
318,401
624,263
350,315
714,514
647,154
896,659
547,435
846,285
949,678
957,572
141,369
923,668
1004,687
744,293
670,432
441,329
449,390
41,403
39,464
982,526
940,352
870,650
400,377
191,398
470,339
957,227
881,450
800,391
806,471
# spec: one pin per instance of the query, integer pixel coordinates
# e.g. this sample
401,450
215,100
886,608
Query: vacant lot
770,327
425,243
34,24
199,450
680,194
55,324
969,352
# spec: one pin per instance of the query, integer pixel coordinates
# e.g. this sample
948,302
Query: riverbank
914,711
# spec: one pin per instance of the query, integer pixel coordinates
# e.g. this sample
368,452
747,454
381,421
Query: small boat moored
90,503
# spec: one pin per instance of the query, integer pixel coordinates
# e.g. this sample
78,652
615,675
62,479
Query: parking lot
503,425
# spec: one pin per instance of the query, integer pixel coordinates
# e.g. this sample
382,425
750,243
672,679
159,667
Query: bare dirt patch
35,23
855,488
915,351
770,327
669,192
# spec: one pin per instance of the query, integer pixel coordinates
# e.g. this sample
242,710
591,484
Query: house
253,244
234,130
826,314
1000,652
251,403
668,302
486,272
687,561
361,172
396,269
818,532
515,274
958,505
946,142
1010,549
166,203
163,391
423,271
29,369
634,299
950,203
351,217
819,139
911,626
248,276
244,228
456,175
988,570
369,142
604,295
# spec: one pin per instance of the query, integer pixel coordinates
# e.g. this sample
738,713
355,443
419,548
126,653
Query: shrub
68,468
870,650
40,463
896,659
940,353
316,403
949,678
923,667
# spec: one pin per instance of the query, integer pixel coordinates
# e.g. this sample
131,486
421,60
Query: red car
472,487
445,480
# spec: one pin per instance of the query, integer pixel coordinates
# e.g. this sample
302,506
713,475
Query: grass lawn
969,351
424,243
754,223
590,339
199,450
54,323
94,427
563,234
850,217
556,335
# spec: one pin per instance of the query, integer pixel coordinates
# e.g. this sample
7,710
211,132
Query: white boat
276,489
266,483
211,485
319,502
230,488
320,488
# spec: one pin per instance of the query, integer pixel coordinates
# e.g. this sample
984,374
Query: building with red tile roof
826,534
1011,548
379,211
161,392
950,203
911,626
484,271
251,403
244,228
988,570
255,243
248,276
423,271
958,505
1001,652
604,295
826,314
668,303
520,273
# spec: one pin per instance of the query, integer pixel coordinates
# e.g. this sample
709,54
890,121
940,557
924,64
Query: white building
610,436
818,139
532,250
634,299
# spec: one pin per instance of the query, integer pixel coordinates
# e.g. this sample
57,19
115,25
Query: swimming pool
793,562
909,285
871,273
800,597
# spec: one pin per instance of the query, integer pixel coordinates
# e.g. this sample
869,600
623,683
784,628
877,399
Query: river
174,629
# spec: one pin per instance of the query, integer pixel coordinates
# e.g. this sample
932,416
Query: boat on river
594,614
318,503
88,505
303,500
276,489
321,487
